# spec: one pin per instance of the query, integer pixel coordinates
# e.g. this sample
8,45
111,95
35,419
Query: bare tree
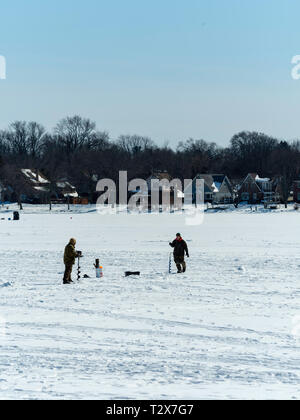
17,138
133,145
35,137
75,133
24,139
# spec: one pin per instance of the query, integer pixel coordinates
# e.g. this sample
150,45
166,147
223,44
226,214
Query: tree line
76,150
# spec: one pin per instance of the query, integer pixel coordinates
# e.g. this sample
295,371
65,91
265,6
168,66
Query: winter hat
73,241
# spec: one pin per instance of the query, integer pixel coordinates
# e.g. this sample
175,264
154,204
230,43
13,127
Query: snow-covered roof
43,189
213,182
68,189
258,179
75,195
65,184
33,176
214,188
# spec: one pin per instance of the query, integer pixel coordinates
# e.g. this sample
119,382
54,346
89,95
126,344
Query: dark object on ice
132,273
16,215
68,282
86,276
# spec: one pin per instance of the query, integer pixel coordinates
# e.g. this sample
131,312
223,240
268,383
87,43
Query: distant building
34,186
255,190
217,189
158,176
296,191
283,189
2,189
66,190
86,187
36,179
159,190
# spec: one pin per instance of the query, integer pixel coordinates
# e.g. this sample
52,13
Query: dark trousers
68,273
180,263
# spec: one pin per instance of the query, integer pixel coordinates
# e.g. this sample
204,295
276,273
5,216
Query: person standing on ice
180,249
69,260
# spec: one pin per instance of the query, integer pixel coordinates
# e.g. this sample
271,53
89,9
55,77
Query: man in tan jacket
69,260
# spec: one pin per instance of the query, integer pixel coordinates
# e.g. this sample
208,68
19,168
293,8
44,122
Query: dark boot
178,268
184,267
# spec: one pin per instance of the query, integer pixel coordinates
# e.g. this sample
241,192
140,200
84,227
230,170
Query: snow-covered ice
228,328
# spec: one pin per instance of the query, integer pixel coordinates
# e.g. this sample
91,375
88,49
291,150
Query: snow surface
228,328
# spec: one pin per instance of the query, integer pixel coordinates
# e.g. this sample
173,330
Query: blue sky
169,69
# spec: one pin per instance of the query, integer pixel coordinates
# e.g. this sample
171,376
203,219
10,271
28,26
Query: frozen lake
225,329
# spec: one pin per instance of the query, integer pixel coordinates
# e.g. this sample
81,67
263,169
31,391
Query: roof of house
36,180
253,175
259,182
36,177
160,175
67,189
212,182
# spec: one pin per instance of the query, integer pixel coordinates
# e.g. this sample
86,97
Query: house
2,188
296,191
217,189
65,190
35,177
33,185
162,194
160,176
255,190
86,187
283,190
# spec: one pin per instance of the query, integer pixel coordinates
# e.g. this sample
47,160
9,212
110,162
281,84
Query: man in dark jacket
180,249
69,259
